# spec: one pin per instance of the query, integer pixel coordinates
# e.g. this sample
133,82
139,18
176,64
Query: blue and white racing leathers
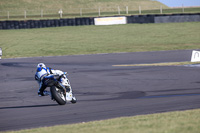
43,74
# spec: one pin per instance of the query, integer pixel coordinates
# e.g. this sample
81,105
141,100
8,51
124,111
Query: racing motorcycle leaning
60,89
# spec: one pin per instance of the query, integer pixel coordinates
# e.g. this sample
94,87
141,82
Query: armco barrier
175,18
164,18
157,18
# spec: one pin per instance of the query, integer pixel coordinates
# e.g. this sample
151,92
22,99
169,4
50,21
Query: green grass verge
170,122
99,39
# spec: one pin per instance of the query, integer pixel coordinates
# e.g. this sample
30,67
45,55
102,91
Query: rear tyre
58,95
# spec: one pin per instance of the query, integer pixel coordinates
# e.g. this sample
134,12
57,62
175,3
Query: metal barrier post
140,10
126,9
8,14
81,12
161,9
118,10
25,14
99,11
0,53
183,8
42,13
60,12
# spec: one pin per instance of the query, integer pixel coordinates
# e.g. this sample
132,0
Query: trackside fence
91,12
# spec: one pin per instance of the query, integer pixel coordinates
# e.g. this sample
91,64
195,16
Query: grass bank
71,4
99,39
71,8
48,9
170,122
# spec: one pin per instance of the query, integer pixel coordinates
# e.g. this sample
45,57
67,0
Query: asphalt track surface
103,91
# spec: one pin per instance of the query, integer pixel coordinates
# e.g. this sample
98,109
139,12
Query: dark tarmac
102,90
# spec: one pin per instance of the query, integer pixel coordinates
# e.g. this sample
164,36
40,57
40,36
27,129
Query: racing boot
73,99
42,92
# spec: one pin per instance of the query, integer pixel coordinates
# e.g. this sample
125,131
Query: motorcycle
60,89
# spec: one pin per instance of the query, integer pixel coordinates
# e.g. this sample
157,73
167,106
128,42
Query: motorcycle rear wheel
58,95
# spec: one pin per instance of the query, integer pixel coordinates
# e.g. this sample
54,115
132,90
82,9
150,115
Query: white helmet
41,65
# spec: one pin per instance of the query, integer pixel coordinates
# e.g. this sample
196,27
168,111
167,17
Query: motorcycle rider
44,73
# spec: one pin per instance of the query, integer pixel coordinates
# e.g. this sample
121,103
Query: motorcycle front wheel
58,95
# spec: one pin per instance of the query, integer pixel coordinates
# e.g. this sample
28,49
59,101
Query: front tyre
58,95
